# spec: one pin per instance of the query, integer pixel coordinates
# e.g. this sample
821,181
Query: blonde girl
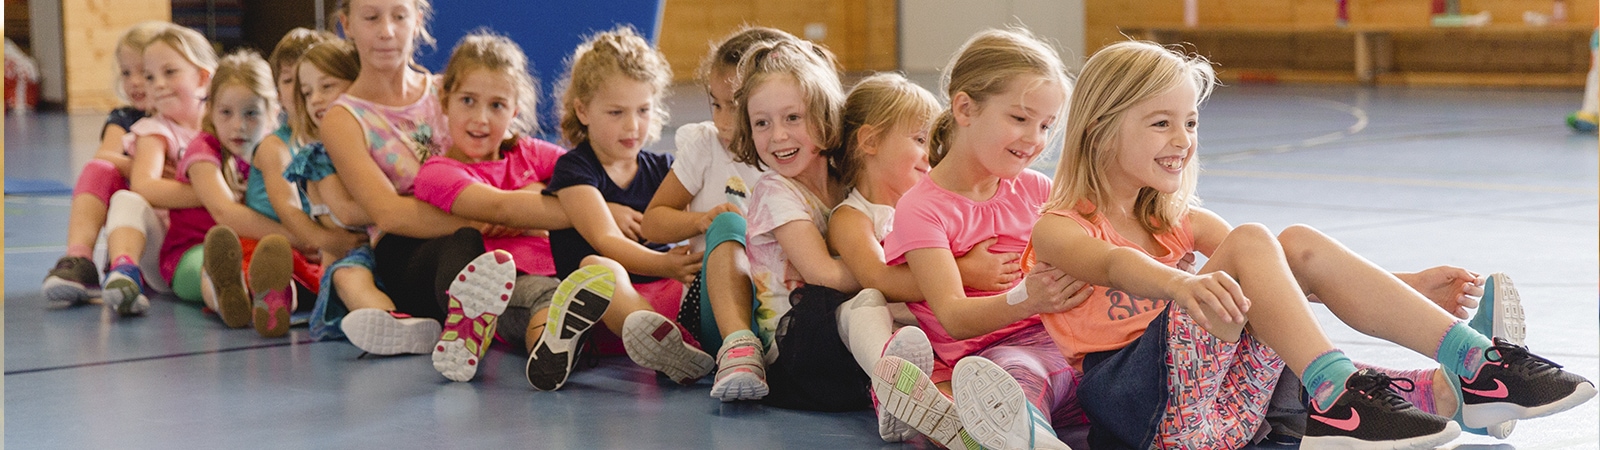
178,65
1124,210
1006,91
611,109
377,135
75,280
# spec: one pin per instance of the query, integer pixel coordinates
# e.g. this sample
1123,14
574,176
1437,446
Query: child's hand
1051,291
681,263
987,271
628,220
1453,288
705,219
1210,296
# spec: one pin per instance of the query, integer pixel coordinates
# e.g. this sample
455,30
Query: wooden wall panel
862,33
91,29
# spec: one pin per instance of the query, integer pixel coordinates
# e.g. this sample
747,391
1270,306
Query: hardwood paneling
90,30
862,33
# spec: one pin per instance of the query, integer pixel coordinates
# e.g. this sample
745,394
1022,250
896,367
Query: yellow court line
1400,181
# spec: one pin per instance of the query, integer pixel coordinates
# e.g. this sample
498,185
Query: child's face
130,72
320,90
619,116
285,84
900,156
1009,130
1157,140
241,118
778,126
174,85
383,31
479,111
723,112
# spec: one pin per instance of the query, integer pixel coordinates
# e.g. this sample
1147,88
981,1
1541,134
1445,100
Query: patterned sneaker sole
1450,432
122,295
991,404
579,302
223,266
1510,322
63,292
907,395
271,269
1483,415
477,297
375,331
909,344
742,384
654,342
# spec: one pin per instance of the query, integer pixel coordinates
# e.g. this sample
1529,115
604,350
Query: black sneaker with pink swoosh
1516,384
1370,415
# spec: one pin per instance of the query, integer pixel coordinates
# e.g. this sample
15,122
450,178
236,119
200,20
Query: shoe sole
122,296
654,342
375,331
579,302
223,266
1450,432
1509,323
991,404
906,394
740,385
480,290
1483,415
909,344
63,292
271,269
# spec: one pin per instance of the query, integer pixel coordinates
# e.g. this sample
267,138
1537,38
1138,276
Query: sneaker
1499,315
124,291
1370,415
271,286
382,332
577,305
1583,122
74,281
657,343
741,370
994,410
908,344
909,397
1516,384
222,267
477,297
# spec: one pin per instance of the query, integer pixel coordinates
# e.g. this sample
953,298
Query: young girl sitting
75,280
1197,354
611,109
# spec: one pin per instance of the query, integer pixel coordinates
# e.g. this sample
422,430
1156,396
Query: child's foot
907,396
994,410
1583,122
577,305
271,286
477,297
908,344
1370,415
1499,315
124,291
741,371
74,281
655,342
382,332
1516,384
223,267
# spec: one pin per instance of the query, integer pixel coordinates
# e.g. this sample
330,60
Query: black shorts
814,370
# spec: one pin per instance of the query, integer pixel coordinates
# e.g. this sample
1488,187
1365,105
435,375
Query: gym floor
1411,178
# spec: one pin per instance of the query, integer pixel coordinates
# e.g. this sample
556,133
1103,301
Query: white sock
866,326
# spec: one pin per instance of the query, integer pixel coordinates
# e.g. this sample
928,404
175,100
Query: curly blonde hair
620,51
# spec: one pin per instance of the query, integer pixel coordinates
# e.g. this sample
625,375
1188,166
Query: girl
75,280
1006,89
611,109
377,136
1123,212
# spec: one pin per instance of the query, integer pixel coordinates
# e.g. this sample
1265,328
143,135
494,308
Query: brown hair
882,102
815,70
620,51
292,46
983,67
246,69
485,50
335,58
726,55
136,38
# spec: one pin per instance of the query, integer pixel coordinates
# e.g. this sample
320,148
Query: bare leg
625,300
727,279
535,328
87,217
358,290
1279,315
125,241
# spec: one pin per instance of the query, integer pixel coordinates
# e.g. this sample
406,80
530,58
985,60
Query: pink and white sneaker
271,286
656,342
477,297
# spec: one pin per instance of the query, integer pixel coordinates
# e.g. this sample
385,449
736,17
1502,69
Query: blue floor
1488,180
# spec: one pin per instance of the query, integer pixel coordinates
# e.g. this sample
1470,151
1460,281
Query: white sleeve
695,142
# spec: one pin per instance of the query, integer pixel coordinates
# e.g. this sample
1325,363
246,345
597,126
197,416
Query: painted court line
1399,181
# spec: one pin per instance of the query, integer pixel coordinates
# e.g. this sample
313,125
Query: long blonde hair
620,51
882,102
335,58
817,73
1113,80
190,44
982,69
483,49
136,38
246,69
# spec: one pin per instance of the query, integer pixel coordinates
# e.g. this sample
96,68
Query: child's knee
608,263
1254,236
1299,241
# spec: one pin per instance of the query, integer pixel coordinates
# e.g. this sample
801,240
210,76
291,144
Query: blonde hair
814,69
983,68
620,51
293,45
726,55
335,58
191,45
485,50
136,38
244,68
1113,80
883,102
424,15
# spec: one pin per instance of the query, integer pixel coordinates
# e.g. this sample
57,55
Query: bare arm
111,149
390,211
668,219
146,177
850,231
1049,290
521,208
808,253
586,207
271,158
209,184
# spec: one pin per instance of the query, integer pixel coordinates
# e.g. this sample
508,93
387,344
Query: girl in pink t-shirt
1006,90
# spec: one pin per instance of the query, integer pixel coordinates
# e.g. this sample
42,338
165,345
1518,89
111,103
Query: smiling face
240,117
130,73
778,127
174,85
1009,130
479,111
1156,141
619,116
724,113
899,158
320,90
384,31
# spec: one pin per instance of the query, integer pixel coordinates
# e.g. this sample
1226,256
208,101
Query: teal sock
1461,350
1324,378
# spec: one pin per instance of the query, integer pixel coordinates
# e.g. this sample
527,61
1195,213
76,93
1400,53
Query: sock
1461,350
1324,378
123,260
80,250
1421,394
865,326
736,335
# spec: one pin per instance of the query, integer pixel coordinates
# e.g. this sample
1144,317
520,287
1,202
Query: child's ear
867,139
962,108
582,111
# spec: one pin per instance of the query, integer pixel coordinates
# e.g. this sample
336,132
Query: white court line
1399,181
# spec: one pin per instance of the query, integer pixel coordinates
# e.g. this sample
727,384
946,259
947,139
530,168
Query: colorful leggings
1219,391
1032,358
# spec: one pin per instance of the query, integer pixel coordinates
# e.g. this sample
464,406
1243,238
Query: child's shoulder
697,136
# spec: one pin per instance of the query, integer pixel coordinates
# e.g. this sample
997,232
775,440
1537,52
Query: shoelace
1381,388
1517,356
